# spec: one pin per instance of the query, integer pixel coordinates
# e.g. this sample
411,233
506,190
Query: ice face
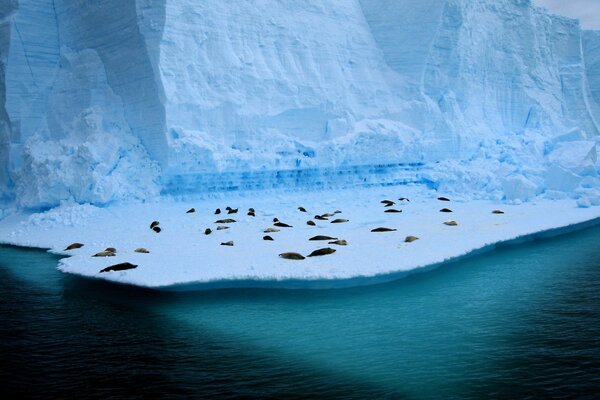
104,101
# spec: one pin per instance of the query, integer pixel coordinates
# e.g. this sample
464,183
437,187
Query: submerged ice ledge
182,257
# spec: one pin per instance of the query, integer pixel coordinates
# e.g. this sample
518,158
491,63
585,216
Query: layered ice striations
110,100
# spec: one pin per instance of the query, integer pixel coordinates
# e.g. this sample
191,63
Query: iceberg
193,93
113,103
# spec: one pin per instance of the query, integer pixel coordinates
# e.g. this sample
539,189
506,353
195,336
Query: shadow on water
518,322
65,337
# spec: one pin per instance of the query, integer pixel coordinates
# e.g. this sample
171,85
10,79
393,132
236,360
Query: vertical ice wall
31,67
494,67
244,78
93,92
111,28
6,10
591,51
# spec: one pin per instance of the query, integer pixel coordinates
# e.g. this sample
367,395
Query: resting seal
322,237
292,256
119,267
382,229
74,246
322,252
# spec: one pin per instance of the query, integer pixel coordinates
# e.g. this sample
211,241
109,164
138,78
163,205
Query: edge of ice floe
365,280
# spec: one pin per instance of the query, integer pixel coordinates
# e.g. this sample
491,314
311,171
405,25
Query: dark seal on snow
119,267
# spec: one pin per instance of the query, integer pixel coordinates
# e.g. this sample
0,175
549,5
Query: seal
225,221
301,209
392,210
251,212
217,211
153,224
271,230
339,221
322,237
232,211
119,267
382,229
337,212
207,231
282,225
104,254
387,203
341,242
322,252
292,256
410,239
267,237
111,249
142,250
311,223
191,210
445,210
74,246
221,227
156,229
320,218
327,215
403,199
451,223
497,212
230,243
442,198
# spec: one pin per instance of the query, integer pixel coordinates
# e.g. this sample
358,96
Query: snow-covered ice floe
182,257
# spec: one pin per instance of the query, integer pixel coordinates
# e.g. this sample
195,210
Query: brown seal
142,250
225,221
74,246
340,242
292,256
311,223
222,228
271,230
104,254
282,225
451,223
410,239
111,249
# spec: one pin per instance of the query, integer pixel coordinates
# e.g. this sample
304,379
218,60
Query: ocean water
519,322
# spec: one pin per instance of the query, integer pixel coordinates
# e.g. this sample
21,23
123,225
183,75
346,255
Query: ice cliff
109,100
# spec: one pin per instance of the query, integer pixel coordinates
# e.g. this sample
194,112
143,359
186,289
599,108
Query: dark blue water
520,322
